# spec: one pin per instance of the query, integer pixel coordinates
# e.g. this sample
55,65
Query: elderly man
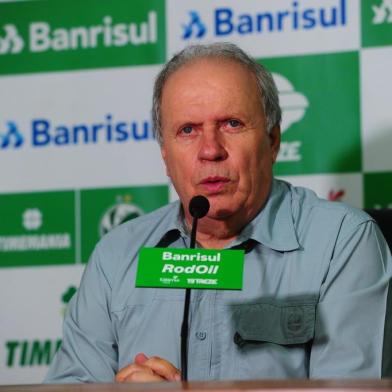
316,273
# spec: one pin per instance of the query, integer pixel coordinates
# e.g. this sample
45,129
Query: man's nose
212,147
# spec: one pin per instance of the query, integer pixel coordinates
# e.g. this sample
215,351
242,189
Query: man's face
215,141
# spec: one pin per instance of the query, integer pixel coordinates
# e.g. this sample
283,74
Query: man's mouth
214,184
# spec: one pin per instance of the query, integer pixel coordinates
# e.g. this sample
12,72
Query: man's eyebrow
218,118
180,124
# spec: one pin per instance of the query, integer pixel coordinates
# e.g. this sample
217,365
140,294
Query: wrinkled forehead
200,67
210,79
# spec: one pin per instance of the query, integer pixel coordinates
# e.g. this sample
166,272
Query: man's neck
216,234
216,240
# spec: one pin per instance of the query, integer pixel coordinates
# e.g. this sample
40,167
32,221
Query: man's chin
220,212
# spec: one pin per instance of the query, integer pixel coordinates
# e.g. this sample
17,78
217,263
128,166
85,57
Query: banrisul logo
11,138
10,42
195,28
382,12
44,132
228,22
88,34
43,37
109,129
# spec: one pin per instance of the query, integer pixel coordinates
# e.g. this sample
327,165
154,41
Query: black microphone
198,208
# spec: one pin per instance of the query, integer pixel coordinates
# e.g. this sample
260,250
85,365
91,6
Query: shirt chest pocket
273,339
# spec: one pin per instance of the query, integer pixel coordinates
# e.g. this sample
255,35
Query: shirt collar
273,226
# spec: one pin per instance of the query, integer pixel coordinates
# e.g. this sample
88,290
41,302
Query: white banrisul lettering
191,257
79,38
166,256
39,37
152,27
107,34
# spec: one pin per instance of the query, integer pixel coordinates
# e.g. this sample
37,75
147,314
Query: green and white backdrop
77,153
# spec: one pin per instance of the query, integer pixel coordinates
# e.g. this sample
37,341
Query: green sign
378,190
376,23
37,228
190,268
319,96
103,209
39,36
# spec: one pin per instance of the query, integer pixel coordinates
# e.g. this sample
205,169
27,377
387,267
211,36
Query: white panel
287,37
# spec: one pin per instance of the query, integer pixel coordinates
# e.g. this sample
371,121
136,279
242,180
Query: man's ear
274,136
164,157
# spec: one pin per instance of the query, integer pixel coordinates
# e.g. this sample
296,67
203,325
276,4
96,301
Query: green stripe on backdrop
40,36
322,93
62,227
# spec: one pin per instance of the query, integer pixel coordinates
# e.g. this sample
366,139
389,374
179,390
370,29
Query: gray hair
267,89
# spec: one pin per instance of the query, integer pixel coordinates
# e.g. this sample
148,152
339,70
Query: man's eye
234,123
187,130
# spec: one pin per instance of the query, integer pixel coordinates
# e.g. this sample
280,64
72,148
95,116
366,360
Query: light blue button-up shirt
313,302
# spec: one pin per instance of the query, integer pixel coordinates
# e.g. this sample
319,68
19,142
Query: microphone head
199,206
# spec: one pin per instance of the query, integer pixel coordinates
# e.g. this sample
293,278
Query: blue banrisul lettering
40,132
109,128
95,128
62,136
309,18
121,132
343,12
268,17
223,21
80,130
281,17
227,22
245,25
323,18
295,16
144,134
44,133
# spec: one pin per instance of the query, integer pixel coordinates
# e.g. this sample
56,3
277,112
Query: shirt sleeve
88,352
350,316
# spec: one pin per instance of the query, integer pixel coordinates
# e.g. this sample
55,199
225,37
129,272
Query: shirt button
201,335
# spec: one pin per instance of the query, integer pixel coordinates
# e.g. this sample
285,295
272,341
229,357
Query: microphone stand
198,208
185,320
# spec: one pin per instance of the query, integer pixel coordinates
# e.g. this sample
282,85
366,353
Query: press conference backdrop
77,152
